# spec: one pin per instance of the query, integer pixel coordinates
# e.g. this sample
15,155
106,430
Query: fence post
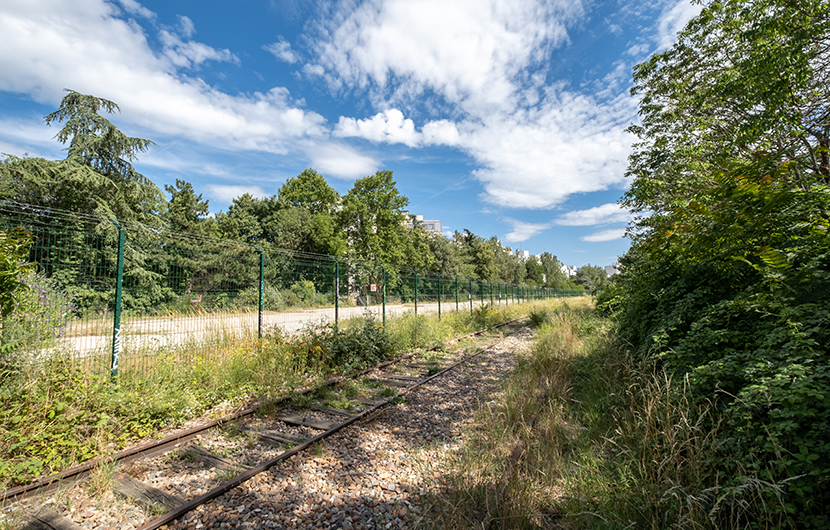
416,292
439,298
383,292
261,289
456,294
336,292
471,295
119,282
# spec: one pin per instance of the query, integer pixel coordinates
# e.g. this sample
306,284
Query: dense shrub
734,296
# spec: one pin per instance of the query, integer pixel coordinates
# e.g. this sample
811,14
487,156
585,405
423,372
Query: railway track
173,476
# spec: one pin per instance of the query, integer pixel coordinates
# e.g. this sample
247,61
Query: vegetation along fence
117,296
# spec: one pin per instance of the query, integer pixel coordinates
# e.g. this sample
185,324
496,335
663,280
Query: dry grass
580,439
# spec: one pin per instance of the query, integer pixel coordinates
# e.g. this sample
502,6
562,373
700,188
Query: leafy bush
418,331
304,289
735,296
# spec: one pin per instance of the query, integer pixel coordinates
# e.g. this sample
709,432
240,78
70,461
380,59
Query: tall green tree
534,271
592,277
745,80
372,219
188,212
445,255
97,175
309,190
552,268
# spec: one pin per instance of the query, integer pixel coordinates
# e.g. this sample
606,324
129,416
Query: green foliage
304,289
187,212
14,252
39,316
592,277
412,331
373,220
727,281
309,191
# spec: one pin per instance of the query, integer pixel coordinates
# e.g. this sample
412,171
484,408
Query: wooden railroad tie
144,494
314,423
48,519
210,459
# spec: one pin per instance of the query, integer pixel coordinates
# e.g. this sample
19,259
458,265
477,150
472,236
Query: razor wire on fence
123,297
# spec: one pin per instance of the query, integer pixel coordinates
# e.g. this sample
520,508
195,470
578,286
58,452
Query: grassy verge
582,439
55,414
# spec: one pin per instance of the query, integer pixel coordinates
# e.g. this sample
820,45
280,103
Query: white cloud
389,126
605,235
51,44
535,144
134,8
28,132
570,143
674,19
472,52
282,51
607,213
225,193
340,161
523,231
187,26
191,54
441,132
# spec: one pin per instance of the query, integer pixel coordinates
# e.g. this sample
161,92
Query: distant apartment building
523,253
430,225
569,270
611,270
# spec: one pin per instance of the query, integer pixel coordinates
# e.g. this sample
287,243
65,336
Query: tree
555,278
509,265
726,283
746,79
243,221
14,252
373,220
592,277
93,140
96,175
309,190
445,255
533,271
187,212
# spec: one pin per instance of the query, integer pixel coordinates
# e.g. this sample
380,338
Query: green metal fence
117,296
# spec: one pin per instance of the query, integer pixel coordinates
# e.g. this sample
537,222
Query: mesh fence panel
188,298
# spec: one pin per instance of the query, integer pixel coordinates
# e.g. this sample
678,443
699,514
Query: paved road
153,334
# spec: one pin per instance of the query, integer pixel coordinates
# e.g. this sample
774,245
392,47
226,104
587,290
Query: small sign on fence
373,288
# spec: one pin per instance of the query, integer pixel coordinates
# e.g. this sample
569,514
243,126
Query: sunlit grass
580,439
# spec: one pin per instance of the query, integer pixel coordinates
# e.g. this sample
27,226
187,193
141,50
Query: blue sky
504,117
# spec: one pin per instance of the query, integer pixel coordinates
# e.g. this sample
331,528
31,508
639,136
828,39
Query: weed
302,401
101,476
582,438
319,449
226,474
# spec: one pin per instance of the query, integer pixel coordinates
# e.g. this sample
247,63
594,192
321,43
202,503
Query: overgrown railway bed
168,482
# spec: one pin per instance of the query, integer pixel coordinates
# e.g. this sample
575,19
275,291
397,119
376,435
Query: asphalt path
154,334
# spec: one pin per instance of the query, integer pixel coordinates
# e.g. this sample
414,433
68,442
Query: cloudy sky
504,117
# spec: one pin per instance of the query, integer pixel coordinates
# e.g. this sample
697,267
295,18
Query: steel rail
78,473
172,515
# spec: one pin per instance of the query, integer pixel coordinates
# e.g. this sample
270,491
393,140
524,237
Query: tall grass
58,412
580,439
